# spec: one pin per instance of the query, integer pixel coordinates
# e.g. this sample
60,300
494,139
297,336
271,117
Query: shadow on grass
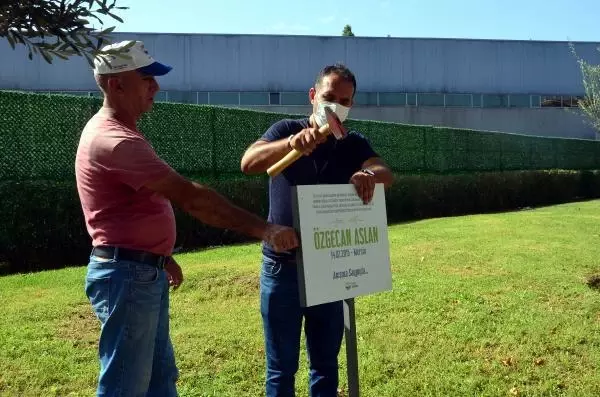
593,281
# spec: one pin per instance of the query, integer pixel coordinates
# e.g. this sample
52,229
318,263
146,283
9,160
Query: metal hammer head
335,125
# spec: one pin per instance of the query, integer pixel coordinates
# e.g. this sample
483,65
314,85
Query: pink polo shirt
112,165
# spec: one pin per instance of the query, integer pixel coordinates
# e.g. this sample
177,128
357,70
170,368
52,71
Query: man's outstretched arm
210,207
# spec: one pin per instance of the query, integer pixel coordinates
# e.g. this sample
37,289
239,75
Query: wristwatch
367,171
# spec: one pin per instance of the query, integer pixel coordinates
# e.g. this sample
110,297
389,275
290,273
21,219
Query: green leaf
107,30
89,59
19,38
61,56
75,37
11,41
45,45
115,17
46,56
64,46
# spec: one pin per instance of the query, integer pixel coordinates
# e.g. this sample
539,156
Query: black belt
127,254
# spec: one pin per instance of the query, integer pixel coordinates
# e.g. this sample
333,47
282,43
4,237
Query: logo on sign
350,285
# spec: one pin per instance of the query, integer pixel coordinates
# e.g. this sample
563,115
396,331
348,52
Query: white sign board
344,249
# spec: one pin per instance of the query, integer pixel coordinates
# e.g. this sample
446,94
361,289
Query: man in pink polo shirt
126,192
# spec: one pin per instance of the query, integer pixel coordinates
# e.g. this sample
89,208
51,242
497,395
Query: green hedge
40,133
44,227
441,171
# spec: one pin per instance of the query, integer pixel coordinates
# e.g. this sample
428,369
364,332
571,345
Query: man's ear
311,95
114,84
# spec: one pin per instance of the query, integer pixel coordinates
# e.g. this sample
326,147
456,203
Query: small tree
347,31
590,104
57,27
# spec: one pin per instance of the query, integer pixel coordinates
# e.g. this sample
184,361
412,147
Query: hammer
333,126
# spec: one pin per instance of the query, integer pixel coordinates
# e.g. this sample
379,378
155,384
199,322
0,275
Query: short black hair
339,69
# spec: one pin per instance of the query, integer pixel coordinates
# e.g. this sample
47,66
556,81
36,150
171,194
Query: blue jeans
282,322
131,300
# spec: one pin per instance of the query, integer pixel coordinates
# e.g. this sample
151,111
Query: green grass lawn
487,305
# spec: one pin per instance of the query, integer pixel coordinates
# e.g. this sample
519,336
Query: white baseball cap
135,57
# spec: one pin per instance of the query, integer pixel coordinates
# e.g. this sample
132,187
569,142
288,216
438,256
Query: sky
561,20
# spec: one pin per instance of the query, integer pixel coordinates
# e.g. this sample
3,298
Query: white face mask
339,110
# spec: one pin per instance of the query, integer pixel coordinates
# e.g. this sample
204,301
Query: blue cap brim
155,69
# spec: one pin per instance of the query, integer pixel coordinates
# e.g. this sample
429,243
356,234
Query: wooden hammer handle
292,156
